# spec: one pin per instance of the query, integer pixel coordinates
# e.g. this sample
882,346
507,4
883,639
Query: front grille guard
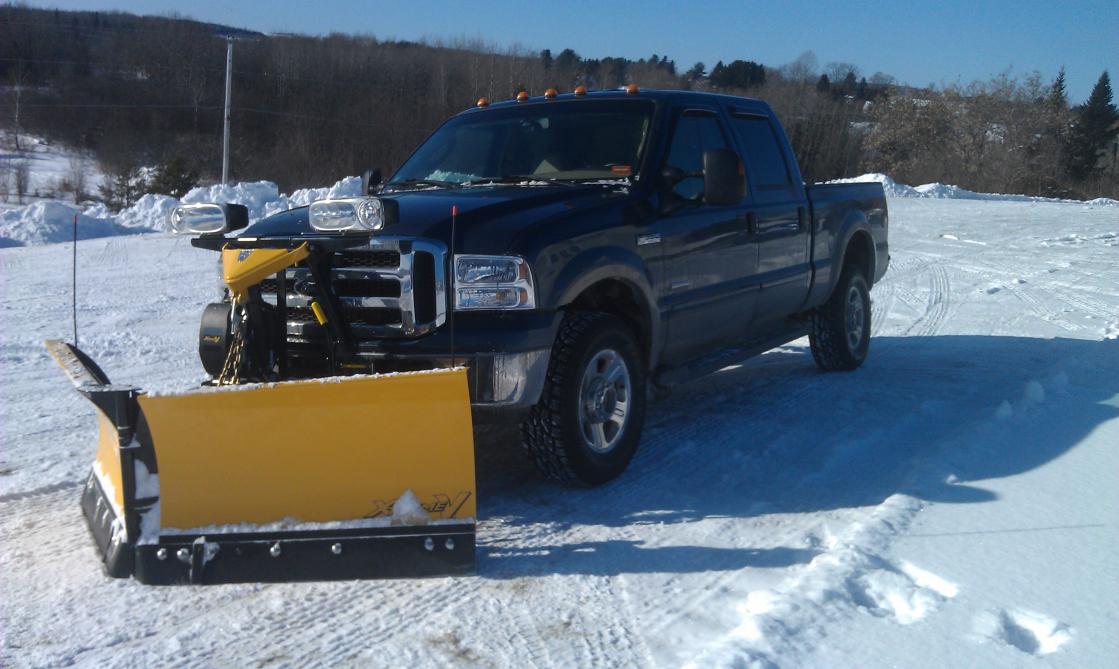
364,308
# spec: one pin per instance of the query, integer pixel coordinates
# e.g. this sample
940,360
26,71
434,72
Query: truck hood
489,217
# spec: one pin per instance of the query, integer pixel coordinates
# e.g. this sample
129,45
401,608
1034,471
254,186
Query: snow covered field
953,503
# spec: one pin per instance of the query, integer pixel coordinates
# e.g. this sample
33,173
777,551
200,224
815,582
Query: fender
828,275
610,262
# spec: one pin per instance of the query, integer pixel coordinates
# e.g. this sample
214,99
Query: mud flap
278,482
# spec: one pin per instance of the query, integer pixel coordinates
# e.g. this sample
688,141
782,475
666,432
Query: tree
546,59
22,173
823,84
122,188
76,177
567,60
1095,128
696,73
1058,94
173,178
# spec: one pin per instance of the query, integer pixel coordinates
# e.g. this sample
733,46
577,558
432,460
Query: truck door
782,225
709,258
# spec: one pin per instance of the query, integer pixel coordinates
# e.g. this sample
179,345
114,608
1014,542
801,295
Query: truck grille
392,289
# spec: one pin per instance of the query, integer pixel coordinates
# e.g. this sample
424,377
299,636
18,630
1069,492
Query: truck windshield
575,140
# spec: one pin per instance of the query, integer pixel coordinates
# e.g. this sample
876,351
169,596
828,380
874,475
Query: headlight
207,218
493,282
359,214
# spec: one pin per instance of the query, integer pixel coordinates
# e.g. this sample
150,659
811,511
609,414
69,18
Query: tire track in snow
937,304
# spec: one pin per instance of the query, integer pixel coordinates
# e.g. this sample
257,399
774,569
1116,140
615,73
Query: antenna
454,289
74,280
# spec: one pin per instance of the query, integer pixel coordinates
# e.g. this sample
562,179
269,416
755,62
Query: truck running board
668,377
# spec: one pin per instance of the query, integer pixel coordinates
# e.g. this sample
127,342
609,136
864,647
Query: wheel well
860,253
620,299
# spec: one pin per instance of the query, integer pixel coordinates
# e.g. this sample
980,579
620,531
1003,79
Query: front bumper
506,355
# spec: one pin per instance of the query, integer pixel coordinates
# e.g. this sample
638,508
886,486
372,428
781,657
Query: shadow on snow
925,416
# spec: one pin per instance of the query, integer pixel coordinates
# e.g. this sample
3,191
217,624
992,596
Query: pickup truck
580,254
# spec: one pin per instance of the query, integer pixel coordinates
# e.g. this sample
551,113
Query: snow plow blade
338,478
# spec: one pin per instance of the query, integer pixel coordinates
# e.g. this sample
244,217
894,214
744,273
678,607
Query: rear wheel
587,424
840,335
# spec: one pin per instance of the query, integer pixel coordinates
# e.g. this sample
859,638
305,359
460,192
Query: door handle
751,223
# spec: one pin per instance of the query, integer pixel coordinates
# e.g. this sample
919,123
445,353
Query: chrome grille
377,286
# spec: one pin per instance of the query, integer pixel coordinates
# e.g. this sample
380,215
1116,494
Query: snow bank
950,192
50,221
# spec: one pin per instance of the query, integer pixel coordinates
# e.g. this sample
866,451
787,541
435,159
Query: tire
595,369
840,334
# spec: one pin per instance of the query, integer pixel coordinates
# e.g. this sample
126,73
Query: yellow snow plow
257,478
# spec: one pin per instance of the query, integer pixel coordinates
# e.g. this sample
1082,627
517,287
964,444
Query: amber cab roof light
522,96
550,93
580,90
483,102
632,89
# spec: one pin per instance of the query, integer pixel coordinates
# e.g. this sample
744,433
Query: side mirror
724,178
672,176
371,181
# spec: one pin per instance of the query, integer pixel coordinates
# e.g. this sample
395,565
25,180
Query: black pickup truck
579,253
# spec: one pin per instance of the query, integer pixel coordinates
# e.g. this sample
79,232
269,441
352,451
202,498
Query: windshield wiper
424,182
525,179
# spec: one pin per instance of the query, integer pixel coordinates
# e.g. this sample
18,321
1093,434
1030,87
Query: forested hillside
148,91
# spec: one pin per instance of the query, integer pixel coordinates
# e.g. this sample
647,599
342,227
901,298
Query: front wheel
587,424
840,334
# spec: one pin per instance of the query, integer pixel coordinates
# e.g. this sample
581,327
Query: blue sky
940,41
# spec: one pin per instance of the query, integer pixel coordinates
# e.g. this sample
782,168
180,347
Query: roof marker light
550,93
483,102
632,89
580,90
522,96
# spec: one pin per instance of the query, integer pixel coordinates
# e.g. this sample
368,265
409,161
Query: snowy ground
952,503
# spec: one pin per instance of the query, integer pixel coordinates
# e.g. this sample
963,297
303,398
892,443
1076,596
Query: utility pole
228,93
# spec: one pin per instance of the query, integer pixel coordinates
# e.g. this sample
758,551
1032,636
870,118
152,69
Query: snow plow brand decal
440,506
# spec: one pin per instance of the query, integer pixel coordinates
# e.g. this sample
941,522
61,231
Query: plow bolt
161,554
429,544
336,549
450,544
275,550
183,554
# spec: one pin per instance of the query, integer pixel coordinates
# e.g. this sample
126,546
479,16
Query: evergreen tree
1058,94
1096,126
546,59
696,73
173,178
823,84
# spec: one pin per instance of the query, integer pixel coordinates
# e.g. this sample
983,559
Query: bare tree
18,77
76,177
22,173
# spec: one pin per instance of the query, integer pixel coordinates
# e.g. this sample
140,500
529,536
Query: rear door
782,233
709,257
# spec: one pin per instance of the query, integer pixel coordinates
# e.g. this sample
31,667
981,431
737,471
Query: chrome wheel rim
856,318
604,401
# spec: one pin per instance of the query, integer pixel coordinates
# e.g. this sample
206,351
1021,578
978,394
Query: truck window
764,158
571,140
696,131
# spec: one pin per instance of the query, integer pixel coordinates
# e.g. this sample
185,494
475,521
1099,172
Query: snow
407,510
952,503
950,192
50,221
